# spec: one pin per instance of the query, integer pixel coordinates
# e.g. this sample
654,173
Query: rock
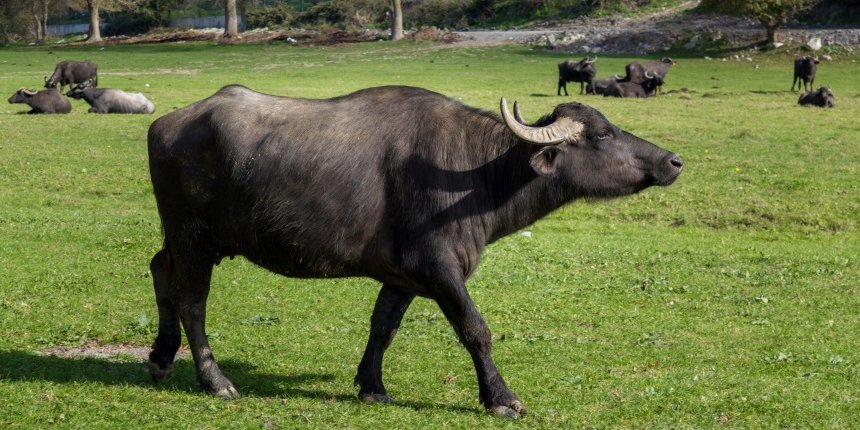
777,45
814,43
826,57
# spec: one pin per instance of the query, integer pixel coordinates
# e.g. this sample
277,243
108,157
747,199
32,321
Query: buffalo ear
545,161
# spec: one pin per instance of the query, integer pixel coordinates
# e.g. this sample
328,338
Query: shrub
347,14
280,15
128,22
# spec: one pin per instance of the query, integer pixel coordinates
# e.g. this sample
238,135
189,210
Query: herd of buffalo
644,80
84,76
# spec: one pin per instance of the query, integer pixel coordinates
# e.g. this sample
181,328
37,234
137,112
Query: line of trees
28,19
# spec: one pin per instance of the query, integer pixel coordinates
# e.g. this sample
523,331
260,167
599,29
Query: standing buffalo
821,97
398,184
582,71
45,101
111,100
804,70
73,72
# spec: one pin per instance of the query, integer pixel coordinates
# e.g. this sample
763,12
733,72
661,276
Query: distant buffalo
599,86
625,89
73,72
111,100
582,71
45,101
804,70
821,97
636,72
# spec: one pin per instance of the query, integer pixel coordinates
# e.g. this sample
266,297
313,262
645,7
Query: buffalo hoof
514,411
374,398
227,393
159,373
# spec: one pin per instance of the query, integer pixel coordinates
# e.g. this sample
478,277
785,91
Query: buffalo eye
604,136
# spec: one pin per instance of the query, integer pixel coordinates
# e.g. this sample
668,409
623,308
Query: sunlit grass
729,299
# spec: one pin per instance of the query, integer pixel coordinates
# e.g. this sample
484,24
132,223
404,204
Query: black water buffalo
45,101
804,70
73,72
625,89
111,100
582,71
398,184
822,97
639,73
598,86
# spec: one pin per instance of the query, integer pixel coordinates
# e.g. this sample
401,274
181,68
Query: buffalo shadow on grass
27,366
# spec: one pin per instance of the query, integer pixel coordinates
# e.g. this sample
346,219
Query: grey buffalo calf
111,100
398,184
45,101
821,97
582,71
804,70
73,72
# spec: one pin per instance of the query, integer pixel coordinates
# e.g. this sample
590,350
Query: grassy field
728,300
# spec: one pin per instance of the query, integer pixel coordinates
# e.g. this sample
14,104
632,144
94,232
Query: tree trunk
95,31
45,19
397,21
231,26
771,28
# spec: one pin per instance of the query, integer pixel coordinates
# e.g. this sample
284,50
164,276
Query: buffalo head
590,156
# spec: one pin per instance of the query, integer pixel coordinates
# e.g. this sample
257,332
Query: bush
347,14
128,22
280,15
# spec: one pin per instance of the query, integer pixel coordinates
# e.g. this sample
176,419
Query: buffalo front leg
192,277
474,334
390,306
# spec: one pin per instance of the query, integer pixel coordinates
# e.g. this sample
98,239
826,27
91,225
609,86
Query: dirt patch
111,352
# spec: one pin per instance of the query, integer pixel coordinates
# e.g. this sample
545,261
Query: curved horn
649,75
517,115
562,129
27,92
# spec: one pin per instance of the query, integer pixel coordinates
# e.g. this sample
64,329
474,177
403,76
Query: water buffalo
582,71
639,73
73,72
625,89
598,86
822,97
111,100
399,184
45,101
804,70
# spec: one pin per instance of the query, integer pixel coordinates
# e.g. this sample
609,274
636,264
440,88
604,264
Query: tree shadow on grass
26,366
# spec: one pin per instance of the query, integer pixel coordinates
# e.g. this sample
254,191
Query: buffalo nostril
676,161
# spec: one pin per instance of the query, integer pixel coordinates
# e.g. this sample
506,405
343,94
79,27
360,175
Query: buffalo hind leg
192,273
390,306
474,334
168,339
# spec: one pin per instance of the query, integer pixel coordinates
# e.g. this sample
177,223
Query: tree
396,20
231,27
772,14
93,7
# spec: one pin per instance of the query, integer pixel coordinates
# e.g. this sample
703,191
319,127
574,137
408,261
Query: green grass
729,299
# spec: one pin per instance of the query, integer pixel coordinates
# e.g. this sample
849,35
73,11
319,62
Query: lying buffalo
73,72
599,86
398,184
821,97
111,100
45,101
